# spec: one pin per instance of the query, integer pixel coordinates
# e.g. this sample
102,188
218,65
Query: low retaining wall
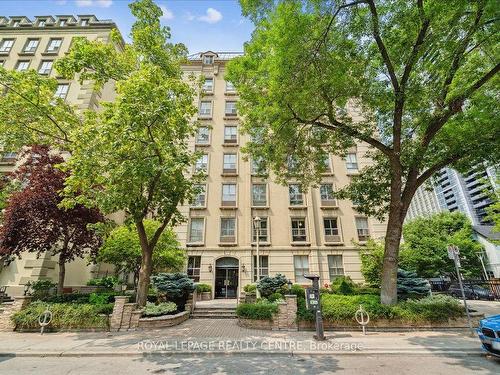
392,325
164,320
255,324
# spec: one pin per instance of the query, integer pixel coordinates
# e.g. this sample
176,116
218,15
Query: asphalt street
252,364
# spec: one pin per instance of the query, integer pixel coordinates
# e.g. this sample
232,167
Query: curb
457,352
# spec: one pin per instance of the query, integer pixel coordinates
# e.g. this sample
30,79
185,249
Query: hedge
64,316
263,310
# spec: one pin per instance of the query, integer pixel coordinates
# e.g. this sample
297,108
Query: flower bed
65,316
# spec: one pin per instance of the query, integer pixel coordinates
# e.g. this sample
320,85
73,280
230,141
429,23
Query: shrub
438,308
367,290
175,286
64,316
260,310
297,290
250,289
275,297
163,308
343,307
269,285
106,308
200,288
107,282
67,298
343,285
42,289
302,312
411,286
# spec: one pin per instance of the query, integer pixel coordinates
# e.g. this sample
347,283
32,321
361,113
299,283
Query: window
263,230
299,230
258,167
362,228
295,195
259,195
229,195
22,65
201,164
63,22
351,162
292,164
6,45
208,85
331,227
263,266
203,135
54,45
15,23
2,62
208,59
230,87
335,266
31,45
301,267
327,164
45,67
230,108
196,230
230,134
193,268
201,196
229,163
62,91
326,195
227,229
41,23
206,108
84,22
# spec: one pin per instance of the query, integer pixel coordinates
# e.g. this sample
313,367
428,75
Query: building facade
424,203
299,232
36,44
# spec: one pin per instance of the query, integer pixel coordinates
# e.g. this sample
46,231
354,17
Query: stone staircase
214,310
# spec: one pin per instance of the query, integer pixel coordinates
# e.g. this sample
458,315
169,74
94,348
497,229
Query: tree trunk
62,275
146,265
144,276
389,289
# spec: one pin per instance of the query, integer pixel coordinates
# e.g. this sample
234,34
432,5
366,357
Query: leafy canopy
415,80
122,249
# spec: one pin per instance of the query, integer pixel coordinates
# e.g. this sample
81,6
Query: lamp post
256,221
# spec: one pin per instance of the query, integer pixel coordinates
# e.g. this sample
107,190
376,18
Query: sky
201,25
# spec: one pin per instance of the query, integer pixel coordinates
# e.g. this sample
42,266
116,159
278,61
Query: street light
256,221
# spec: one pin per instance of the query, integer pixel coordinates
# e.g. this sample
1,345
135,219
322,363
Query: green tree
494,209
415,80
122,248
372,259
132,156
425,245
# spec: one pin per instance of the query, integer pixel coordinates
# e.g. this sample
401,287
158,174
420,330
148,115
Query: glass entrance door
226,282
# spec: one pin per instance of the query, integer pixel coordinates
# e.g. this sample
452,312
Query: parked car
471,292
489,334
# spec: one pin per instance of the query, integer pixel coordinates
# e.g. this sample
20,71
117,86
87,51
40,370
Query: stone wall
164,320
286,319
8,309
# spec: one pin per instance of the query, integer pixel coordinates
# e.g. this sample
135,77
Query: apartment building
298,232
36,44
424,203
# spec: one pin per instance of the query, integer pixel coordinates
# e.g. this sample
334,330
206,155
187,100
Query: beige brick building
299,232
36,44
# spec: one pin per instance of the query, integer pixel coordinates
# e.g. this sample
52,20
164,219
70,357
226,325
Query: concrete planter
250,298
206,296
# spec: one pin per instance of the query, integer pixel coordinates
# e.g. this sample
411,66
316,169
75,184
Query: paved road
252,364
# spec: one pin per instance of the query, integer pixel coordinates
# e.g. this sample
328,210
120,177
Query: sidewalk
219,336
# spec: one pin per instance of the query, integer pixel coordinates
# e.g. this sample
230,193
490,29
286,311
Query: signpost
454,253
313,303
